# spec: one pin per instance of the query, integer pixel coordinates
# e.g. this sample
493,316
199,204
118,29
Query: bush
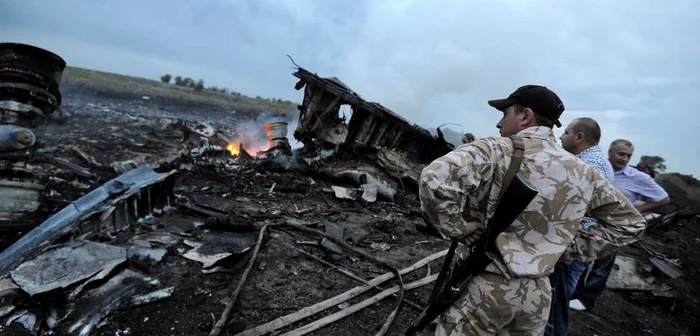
199,86
166,78
178,80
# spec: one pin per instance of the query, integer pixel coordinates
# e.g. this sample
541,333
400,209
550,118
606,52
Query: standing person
581,138
467,138
635,185
459,192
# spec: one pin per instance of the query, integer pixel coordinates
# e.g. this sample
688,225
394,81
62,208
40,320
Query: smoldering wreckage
198,229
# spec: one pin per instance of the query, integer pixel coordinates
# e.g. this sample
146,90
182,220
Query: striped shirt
594,156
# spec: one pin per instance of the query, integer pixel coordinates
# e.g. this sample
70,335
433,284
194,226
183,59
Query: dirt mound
684,191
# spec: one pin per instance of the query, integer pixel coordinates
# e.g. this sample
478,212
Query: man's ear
528,115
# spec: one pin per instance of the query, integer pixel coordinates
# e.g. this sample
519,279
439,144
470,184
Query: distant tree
189,82
213,88
199,86
223,90
178,80
166,78
654,162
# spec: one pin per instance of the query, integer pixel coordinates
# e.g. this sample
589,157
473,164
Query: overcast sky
633,65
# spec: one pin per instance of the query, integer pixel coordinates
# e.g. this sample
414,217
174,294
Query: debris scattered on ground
149,225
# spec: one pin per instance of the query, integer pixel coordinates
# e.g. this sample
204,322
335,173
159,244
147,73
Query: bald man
581,138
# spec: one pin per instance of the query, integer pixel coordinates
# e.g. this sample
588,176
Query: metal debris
151,297
25,318
140,250
364,175
628,275
667,267
371,124
66,265
380,246
99,276
6,310
345,193
335,230
93,306
163,238
218,246
109,208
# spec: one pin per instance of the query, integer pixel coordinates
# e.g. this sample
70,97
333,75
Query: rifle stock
515,199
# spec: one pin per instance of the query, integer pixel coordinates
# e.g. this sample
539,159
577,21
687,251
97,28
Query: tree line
199,86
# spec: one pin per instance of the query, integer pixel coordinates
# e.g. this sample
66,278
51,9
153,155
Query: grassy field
120,85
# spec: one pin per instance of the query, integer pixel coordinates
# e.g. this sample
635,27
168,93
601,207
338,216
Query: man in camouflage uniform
459,191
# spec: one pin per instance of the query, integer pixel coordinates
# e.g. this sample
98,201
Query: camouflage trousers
493,305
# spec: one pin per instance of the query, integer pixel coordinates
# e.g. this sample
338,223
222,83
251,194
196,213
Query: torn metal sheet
627,275
151,297
369,192
5,310
66,265
336,231
111,207
146,254
667,267
8,287
216,246
26,319
96,304
163,238
99,276
345,193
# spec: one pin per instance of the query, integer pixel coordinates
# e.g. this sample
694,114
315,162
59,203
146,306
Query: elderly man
581,138
640,189
460,191
467,138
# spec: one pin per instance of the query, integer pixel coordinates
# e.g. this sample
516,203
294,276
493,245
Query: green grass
115,84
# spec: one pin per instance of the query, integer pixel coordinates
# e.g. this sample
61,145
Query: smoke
251,134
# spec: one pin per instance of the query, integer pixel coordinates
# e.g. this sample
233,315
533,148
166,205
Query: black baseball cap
539,98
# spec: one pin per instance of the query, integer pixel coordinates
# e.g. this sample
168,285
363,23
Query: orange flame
234,149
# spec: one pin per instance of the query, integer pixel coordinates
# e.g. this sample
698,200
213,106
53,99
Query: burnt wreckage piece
29,83
29,93
108,209
371,124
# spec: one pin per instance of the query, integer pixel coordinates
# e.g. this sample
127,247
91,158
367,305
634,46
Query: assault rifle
453,281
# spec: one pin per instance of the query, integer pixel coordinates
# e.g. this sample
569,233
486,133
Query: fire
234,149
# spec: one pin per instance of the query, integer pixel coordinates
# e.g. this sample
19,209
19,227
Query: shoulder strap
515,162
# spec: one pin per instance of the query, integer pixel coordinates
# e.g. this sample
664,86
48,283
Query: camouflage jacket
467,181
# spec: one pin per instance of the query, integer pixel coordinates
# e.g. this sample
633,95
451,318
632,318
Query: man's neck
582,148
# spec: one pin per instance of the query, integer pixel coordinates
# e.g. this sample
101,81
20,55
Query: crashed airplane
174,224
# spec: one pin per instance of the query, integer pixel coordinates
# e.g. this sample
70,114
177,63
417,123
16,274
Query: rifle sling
515,162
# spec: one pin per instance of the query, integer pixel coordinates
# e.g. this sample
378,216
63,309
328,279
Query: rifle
447,290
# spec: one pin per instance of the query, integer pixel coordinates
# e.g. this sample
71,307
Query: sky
632,65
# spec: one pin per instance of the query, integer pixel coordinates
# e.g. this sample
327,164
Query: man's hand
472,231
